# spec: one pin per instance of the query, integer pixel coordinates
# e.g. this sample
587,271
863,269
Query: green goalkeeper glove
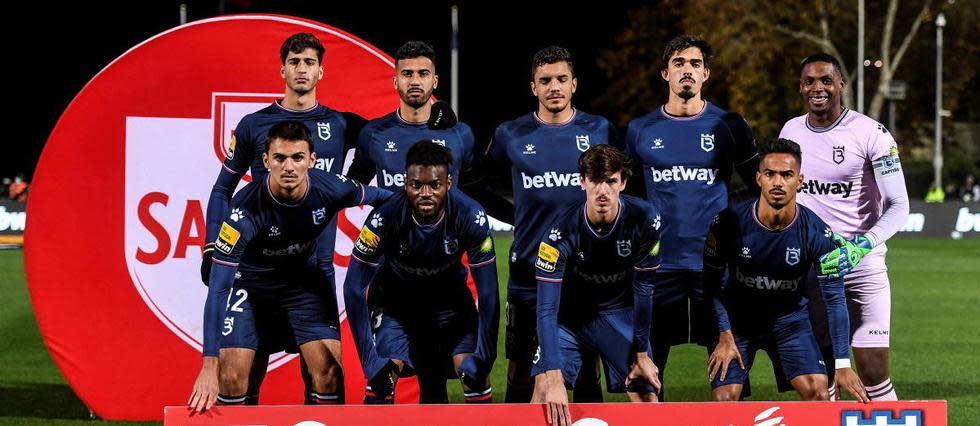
845,257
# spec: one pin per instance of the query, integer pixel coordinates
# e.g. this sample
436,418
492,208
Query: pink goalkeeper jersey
840,165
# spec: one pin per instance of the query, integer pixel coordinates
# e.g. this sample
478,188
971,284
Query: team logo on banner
137,247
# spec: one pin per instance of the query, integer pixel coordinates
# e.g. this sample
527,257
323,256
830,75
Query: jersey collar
669,116
612,228
268,190
562,124
433,225
398,113
278,103
814,129
755,216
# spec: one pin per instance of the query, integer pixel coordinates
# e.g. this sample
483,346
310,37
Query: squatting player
383,142
595,273
265,270
687,149
413,245
336,132
541,150
767,246
855,183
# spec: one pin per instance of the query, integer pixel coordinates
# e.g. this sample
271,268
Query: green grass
935,336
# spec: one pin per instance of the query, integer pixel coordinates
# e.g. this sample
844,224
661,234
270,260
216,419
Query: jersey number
237,306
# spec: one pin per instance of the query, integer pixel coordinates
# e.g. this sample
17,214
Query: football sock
231,400
479,397
252,399
883,391
315,398
832,391
370,398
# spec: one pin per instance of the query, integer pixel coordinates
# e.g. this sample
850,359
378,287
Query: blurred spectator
951,193
935,194
5,185
970,191
18,189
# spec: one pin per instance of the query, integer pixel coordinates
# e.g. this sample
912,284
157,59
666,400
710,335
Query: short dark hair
552,55
781,146
289,130
602,160
428,153
822,57
682,42
299,42
415,49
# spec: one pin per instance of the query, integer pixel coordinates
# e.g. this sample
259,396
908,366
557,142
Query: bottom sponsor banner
910,413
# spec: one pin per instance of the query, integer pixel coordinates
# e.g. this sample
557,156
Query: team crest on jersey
439,142
707,141
529,149
227,238
657,144
391,146
792,256
231,147
450,245
547,258
323,130
582,142
319,215
367,242
624,247
839,154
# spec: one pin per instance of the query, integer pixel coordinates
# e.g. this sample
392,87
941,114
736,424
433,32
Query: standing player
265,271
415,243
541,150
687,149
595,274
767,246
302,68
383,142
855,183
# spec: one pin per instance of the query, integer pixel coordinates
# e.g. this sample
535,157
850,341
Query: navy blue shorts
681,314
788,341
610,334
273,314
427,345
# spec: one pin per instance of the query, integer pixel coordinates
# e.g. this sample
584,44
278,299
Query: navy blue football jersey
384,142
767,268
687,165
420,264
262,233
544,173
596,271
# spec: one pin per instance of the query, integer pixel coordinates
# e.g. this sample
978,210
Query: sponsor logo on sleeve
487,245
227,238
231,148
547,258
367,242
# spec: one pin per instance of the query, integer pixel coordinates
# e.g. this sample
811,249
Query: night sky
69,44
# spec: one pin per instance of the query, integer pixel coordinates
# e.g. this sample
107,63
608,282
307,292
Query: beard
686,93
416,102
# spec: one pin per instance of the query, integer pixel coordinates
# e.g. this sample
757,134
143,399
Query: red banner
909,413
113,242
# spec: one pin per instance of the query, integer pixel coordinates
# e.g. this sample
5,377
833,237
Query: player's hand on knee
442,116
205,392
722,356
848,380
206,262
643,369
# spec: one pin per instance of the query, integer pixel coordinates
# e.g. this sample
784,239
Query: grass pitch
935,336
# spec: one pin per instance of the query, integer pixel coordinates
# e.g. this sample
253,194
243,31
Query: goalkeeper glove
206,263
845,257
442,116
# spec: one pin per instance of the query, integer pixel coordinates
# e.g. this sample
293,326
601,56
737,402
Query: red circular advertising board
116,222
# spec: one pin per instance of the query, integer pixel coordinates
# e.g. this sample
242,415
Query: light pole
937,158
